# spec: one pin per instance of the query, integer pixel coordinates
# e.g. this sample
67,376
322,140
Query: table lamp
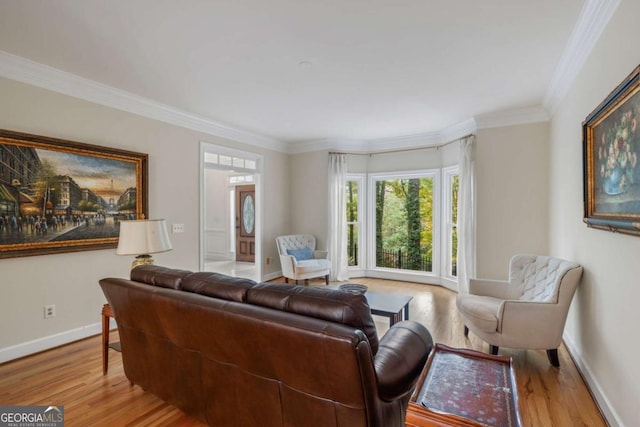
143,238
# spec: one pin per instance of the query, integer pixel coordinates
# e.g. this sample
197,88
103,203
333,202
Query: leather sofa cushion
218,285
321,303
159,276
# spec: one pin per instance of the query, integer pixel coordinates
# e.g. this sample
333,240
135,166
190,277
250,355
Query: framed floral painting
611,150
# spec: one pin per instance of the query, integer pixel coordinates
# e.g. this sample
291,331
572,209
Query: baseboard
30,347
593,385
449,284
355,272
406,276
271,276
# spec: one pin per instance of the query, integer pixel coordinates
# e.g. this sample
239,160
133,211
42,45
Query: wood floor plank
71,375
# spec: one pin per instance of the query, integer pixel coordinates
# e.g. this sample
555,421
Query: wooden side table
460,387
106,315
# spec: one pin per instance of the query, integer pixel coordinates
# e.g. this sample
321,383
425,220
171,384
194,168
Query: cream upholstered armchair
300,260
528,311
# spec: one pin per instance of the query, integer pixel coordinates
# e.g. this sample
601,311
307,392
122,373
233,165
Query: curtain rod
402,150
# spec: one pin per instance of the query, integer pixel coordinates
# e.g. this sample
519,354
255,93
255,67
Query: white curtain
337,230
466,214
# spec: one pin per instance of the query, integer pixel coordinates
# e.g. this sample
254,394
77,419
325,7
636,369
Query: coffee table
393,306
462,387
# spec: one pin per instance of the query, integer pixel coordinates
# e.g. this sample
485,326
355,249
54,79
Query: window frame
393,273
360,178
447,225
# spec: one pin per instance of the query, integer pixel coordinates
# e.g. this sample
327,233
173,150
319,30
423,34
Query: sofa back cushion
321,303
159,276
218,285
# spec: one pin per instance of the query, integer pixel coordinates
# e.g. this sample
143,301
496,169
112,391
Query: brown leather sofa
232,352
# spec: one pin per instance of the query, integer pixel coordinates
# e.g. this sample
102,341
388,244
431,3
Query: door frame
207,147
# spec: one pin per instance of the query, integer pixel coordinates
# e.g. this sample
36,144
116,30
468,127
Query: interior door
245,223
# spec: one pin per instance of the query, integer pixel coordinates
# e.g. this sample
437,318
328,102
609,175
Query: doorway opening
231,211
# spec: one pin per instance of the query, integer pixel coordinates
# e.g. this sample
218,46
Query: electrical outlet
177,228
49,311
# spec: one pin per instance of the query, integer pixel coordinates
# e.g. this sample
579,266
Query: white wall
602,328
217,224
276,209
428,158
512,173
70,281
309,193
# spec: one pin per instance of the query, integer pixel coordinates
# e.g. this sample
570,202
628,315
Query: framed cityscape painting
63,196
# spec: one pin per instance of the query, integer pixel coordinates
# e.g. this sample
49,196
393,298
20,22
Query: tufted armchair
528,311
300,260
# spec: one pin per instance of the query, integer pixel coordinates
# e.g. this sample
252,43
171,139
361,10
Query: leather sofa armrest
320,254
402,353
489,288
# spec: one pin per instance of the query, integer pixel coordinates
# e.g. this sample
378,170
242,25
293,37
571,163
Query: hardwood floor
71,375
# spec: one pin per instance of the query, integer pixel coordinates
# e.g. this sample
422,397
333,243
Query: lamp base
142,260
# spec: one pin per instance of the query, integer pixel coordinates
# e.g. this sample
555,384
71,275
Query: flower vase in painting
617,150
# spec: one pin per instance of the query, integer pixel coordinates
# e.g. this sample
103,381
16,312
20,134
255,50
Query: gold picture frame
611,158
65,196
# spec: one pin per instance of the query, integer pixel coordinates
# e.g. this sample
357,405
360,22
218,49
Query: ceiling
306,70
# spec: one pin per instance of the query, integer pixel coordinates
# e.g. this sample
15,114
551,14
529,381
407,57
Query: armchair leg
286,280
326,279
493,349
466,331
552,354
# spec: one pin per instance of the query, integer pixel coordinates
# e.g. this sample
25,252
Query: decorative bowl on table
353,288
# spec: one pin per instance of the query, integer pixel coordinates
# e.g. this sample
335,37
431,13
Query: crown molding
459,130
504,118
26,71
593,19
427,139
517,116
328,144
367,146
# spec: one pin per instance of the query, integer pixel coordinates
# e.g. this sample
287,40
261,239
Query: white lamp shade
143,237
